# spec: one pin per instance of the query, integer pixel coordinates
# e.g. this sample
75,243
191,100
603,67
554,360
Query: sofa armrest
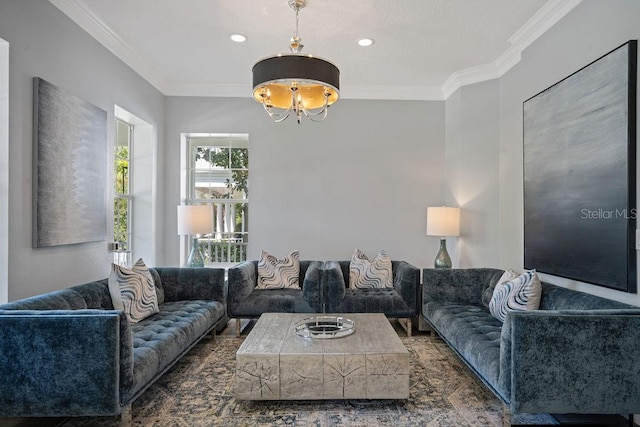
242,280
335,286
572,361
61,362
406,281
312,285
464,286
182,284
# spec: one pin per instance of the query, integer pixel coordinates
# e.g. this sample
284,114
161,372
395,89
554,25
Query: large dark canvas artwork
580,174
70,168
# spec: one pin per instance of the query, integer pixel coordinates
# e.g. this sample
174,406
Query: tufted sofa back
559,298
93,295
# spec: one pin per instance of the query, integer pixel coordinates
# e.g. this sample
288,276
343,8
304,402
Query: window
122,201
218,172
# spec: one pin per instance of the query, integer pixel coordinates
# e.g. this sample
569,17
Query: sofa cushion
367,274
133,291
473,332
519,294
159,339
273,301
274,273
374,300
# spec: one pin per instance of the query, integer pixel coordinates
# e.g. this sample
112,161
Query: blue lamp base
442,258
195,256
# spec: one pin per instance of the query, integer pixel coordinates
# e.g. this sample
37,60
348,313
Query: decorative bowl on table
325,327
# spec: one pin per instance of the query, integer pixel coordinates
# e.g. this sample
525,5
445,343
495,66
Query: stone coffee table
273,363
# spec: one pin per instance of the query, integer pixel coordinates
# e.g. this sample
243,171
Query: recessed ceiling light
365,42
238,38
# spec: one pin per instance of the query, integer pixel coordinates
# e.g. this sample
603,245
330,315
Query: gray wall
592,29
362,178
472,173
45,43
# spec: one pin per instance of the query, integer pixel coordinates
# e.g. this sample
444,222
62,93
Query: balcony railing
223,251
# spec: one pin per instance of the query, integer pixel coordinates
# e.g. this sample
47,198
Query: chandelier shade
296,83
312,78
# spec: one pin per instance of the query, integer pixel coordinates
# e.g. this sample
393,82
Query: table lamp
443,221
194,220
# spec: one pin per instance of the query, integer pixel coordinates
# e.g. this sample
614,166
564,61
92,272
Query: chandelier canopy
296,83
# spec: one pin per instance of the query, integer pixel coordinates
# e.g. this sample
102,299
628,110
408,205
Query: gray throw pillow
274,273
367,274
519,294
133,291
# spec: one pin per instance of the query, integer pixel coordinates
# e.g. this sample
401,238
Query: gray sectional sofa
324,288
577,354
69,353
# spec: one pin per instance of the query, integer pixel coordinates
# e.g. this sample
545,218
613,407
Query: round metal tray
325,327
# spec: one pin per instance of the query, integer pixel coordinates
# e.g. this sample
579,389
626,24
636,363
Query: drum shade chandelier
296,83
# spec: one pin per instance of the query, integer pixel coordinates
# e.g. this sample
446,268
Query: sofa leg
238,327
506,416
125,416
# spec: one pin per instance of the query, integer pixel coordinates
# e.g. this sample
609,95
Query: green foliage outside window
235,159
121,204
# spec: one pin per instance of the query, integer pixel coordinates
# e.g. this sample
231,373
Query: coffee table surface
273,363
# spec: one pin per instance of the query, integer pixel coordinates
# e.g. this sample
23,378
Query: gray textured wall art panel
70,168
579,174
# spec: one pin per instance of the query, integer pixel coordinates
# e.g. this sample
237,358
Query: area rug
198,391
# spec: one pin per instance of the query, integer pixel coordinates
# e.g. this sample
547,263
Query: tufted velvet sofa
578,354
69,353
402,301
245,301
324,288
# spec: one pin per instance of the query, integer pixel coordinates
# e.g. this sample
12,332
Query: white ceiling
424,49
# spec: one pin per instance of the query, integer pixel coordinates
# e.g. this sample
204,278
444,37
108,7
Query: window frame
117,195
234,248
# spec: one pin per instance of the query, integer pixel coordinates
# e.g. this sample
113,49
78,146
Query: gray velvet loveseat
577,354
69,353
324,288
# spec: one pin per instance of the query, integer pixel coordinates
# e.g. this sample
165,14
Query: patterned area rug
198,391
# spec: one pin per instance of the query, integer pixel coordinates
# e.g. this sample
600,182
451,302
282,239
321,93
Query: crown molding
408,93
92,24
469,76
391,92
543,20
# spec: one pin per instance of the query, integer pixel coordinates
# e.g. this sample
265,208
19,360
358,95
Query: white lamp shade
443,221
196,219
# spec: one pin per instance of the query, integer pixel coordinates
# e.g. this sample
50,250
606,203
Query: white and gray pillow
367,274
487,294
519,294
274,273
133,291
